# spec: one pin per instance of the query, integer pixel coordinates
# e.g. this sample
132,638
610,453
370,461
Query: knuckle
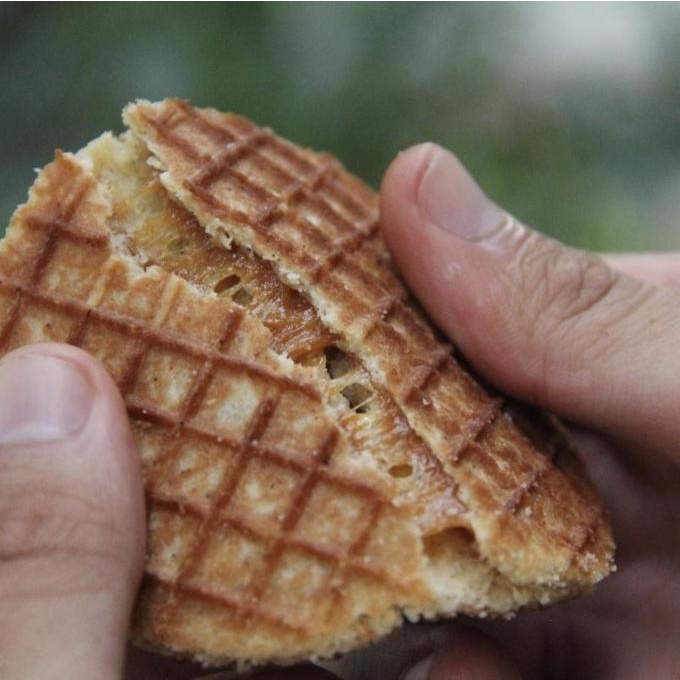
574,286
561,288
53,523
568,303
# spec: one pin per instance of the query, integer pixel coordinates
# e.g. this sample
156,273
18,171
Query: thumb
547,323
71,517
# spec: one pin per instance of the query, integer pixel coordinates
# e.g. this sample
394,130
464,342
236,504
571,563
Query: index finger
661,269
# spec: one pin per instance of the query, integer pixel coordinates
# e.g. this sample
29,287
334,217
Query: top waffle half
317,463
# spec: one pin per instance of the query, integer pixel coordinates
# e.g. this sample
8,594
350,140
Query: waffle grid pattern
65,318
298,183
205,263
279,189
263,532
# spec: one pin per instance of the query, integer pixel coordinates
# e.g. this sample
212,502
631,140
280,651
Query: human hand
546,323
561,329
593,340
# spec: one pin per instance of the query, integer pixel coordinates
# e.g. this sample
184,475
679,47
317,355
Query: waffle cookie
318,463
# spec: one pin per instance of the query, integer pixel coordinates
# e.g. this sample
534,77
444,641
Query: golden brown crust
318,225
220,425
164,234
317,463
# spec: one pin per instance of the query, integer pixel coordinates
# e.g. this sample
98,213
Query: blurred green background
569,115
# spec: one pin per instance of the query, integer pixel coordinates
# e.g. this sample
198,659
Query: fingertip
405,228
426,195
89,367
108,420
399,188
405,172
103,455
428,184
100,457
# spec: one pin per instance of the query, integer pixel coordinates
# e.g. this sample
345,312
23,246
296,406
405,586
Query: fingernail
421,670
453,201
43,399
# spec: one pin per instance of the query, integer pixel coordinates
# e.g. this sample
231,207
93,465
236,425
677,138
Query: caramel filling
158,230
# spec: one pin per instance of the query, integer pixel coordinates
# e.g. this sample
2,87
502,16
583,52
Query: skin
592,339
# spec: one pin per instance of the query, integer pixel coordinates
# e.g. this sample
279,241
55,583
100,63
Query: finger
547,323
661,269
71,517
470,655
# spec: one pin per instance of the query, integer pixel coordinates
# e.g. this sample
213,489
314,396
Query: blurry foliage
569,116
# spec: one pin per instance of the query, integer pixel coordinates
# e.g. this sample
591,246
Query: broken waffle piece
317,463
